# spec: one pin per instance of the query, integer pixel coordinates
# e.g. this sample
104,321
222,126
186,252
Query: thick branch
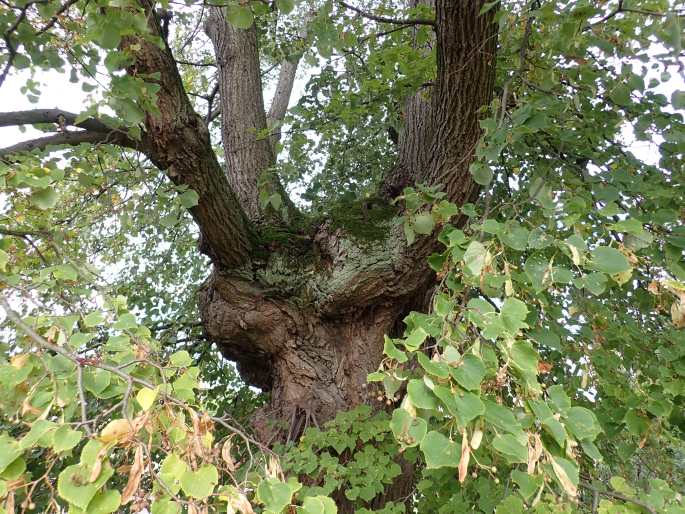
178,142
247,147
385,19
57,116
442,125
466,46
279,103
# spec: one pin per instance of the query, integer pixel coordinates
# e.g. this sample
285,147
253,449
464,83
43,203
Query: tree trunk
305,318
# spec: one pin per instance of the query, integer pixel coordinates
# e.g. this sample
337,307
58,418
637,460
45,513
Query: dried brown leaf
134,476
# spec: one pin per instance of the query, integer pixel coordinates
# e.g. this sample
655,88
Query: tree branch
385,19
466,46
244,128
57,116
66,138
281,99
178,142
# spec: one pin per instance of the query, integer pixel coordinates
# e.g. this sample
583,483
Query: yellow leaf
226,455
115,431
564,479
146,397
678,313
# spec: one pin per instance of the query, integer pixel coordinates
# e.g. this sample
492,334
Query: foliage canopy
547,374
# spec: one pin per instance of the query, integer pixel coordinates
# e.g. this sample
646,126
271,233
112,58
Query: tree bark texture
307,321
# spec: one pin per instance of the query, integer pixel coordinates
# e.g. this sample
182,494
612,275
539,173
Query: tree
452,275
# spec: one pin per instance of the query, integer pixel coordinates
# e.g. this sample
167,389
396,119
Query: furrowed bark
244,133
290,322
466,47
179,143
441,127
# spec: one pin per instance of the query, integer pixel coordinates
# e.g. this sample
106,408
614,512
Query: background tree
449,241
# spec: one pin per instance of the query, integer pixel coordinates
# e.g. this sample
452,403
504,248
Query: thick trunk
306,321
313,366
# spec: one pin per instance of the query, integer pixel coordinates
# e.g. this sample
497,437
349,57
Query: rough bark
307,322
177,141
247,149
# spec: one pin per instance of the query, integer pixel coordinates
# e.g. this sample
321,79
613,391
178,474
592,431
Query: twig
385,19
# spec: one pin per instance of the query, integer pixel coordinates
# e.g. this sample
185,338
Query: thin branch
385,19
56,16
63,138
620,497
130,379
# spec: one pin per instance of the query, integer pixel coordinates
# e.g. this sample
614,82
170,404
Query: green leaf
105,502
181,359
423,223
439,451
165,506
93,319
73,486
415,339
274,494
548,421
559,398
482,173
44,198
525,360
420,395
513,313
512,504
318,505
678,99
470,372
501,417
469,406
240,16
583,423
9,451
393,352
189,198
475,258
171,472
511,448
436,368
407,429
200,484
515,236
528,484
609,260
285,5
38,432
546,337
64,439
126,321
